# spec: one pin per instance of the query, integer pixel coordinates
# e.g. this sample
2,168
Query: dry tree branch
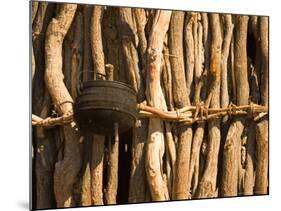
67,169
185,114
232,146
207,185
155,142
98,141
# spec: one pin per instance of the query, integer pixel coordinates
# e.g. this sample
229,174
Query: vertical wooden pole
112,168
155,142
208,184
232,147
181,99
261,184
66,170
98,140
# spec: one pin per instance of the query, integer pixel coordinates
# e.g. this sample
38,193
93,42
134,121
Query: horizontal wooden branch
156,113
186,115
51,121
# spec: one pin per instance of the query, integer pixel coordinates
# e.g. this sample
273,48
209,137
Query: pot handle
97,76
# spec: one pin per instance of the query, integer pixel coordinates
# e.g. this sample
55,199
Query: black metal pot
103,103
